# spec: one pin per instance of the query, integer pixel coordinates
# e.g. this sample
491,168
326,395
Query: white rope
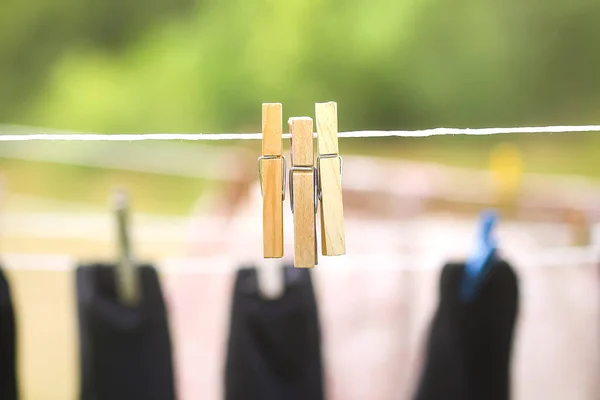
562,257
258,136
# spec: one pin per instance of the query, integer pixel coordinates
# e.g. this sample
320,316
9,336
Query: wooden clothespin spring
316,185
324,156
283,173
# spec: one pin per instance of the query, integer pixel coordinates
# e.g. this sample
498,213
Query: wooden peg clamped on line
271,171
126,274
329,166
270,278
303,192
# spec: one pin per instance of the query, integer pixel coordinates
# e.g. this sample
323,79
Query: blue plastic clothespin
479,264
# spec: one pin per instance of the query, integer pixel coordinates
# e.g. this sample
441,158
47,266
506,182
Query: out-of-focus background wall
206,66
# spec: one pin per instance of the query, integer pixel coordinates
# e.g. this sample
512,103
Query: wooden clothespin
303,192
128,287
270,279
329,165
271,171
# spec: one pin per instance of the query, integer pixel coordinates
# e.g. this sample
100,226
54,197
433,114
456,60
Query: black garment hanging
469,345
125,352
8,353
274,347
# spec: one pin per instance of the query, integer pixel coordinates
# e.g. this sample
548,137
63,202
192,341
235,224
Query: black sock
125,352
469,345
274,347
8,373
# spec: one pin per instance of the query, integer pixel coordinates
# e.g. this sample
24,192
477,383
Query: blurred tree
35,34
409,64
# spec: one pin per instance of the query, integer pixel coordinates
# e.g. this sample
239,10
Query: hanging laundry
274,346
469,345
8,356
125,352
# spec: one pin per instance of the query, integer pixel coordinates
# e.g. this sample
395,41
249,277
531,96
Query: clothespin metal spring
319,157
316,185
283,173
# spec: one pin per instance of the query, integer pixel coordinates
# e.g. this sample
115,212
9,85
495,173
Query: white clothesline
258,136
215,265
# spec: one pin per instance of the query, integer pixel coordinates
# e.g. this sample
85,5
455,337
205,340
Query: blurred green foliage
136,66
36,35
